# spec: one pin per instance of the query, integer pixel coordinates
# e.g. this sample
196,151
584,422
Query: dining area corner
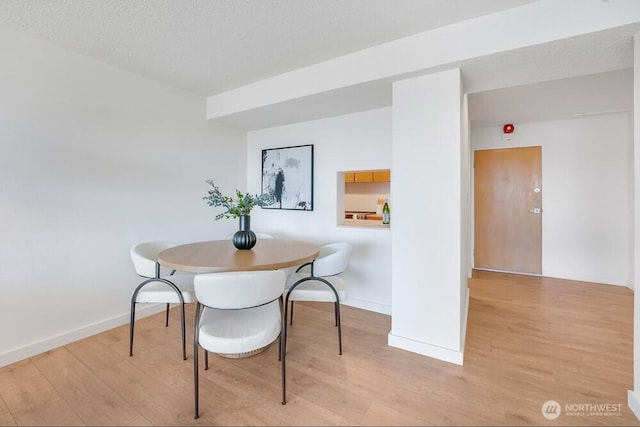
244,298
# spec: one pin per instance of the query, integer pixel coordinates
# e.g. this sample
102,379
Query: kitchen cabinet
363,176
382,176
368,176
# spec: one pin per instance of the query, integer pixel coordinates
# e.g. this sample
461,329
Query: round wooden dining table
221,255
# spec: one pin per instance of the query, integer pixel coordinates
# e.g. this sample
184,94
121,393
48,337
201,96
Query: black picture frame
287,176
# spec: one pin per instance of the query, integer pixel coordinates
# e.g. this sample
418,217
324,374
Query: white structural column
426,219
634,395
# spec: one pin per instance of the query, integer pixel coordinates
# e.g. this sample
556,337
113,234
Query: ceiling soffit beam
529,25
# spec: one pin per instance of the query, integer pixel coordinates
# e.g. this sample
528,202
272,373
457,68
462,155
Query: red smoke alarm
508,128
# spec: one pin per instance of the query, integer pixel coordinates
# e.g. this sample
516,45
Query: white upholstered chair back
238,313
144,256
332,259
239,289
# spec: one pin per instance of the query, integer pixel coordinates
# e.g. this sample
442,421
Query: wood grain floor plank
6,419
87,394
31,398
529,340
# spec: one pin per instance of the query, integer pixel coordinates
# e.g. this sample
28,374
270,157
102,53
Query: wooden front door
508,209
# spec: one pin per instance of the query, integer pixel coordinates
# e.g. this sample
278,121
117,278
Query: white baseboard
633,400
440,353
580,277
465,316
367,305
38,347
35,348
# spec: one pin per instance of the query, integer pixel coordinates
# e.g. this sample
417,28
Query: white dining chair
237,312
160,286
319,281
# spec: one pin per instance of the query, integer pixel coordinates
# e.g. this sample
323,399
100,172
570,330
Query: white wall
633,396
428,195
92,160
585,193
359,141
466,217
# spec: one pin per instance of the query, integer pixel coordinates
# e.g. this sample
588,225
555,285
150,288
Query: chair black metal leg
196,335
133,309
184,344
282,313
284,320
291,315
283,356
336,306
339,325
195,380
131,326
206,360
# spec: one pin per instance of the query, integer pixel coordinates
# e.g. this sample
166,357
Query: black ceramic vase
244,238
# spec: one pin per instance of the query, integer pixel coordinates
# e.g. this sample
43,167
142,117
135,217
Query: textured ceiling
590,74
210,46
593,94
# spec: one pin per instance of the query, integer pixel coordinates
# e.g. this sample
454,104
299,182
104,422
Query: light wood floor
529,340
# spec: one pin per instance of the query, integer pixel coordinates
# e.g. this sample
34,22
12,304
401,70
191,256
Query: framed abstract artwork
287,176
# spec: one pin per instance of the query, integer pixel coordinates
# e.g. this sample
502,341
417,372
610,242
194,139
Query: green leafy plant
235,207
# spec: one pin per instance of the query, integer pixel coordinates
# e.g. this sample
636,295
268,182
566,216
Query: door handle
535,210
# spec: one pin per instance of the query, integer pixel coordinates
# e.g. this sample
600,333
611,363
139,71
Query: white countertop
364,223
